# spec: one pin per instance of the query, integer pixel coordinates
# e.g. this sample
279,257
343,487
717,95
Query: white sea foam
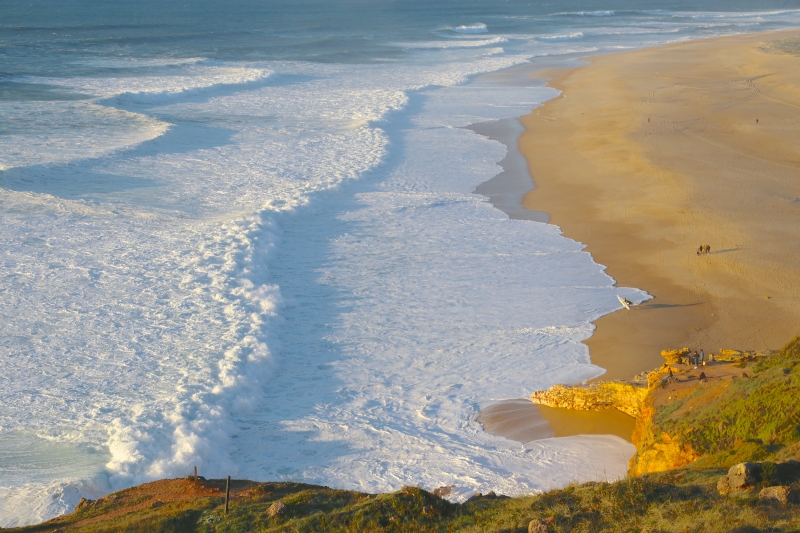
471,43
60,131
159,267
604,13
138,62
478,27
561,37
192,77
425,303
195,275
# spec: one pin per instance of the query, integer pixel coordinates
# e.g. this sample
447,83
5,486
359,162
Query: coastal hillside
742,410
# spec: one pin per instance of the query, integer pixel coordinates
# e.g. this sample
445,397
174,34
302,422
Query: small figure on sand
702,357
703,377
704,249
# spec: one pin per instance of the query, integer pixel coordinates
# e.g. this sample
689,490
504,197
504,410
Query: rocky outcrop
540,526
276,509
84,504
620,395
781,494
744,477
740,478
443,491
658,453
673,357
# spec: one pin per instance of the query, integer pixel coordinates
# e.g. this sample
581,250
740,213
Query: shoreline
682,312
681,162
519,419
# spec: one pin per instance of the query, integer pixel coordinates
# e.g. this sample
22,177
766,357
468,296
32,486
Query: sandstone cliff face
656,451
620,395
741,407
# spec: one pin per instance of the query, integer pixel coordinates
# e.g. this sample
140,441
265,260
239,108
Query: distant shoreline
648,154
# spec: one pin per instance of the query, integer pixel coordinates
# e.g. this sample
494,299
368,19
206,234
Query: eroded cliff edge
739,406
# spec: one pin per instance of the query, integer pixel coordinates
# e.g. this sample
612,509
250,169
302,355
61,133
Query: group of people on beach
694,359
704,249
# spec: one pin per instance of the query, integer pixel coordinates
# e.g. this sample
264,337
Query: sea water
243,236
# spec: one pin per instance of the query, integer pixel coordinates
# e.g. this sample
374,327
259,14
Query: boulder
276,509
722,485
781,494
84,504
673,356
538,526
442,491
744,475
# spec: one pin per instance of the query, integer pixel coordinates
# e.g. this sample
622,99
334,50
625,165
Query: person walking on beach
708,248
695,358
701,249
702,357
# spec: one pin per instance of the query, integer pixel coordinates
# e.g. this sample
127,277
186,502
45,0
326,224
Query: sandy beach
647,155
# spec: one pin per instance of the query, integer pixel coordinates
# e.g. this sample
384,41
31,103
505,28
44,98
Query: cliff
742,406
623,396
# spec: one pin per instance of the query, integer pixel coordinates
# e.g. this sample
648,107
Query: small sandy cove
649,154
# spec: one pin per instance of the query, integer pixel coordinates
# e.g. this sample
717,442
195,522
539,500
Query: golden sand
647,155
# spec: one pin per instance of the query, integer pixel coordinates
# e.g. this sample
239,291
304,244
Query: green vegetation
751,418
677,501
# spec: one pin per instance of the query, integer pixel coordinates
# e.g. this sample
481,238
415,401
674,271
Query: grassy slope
678,501
746,419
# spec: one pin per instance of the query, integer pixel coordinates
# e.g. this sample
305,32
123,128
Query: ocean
244,236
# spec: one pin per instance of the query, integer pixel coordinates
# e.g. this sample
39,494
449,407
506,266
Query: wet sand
523,421
647,155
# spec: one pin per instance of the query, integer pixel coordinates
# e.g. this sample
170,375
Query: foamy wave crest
584,14
472,43
478,27
150,89
736,15
63,131
134,62
561,37
196,430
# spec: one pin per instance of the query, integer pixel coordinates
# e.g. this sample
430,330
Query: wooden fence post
227,493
